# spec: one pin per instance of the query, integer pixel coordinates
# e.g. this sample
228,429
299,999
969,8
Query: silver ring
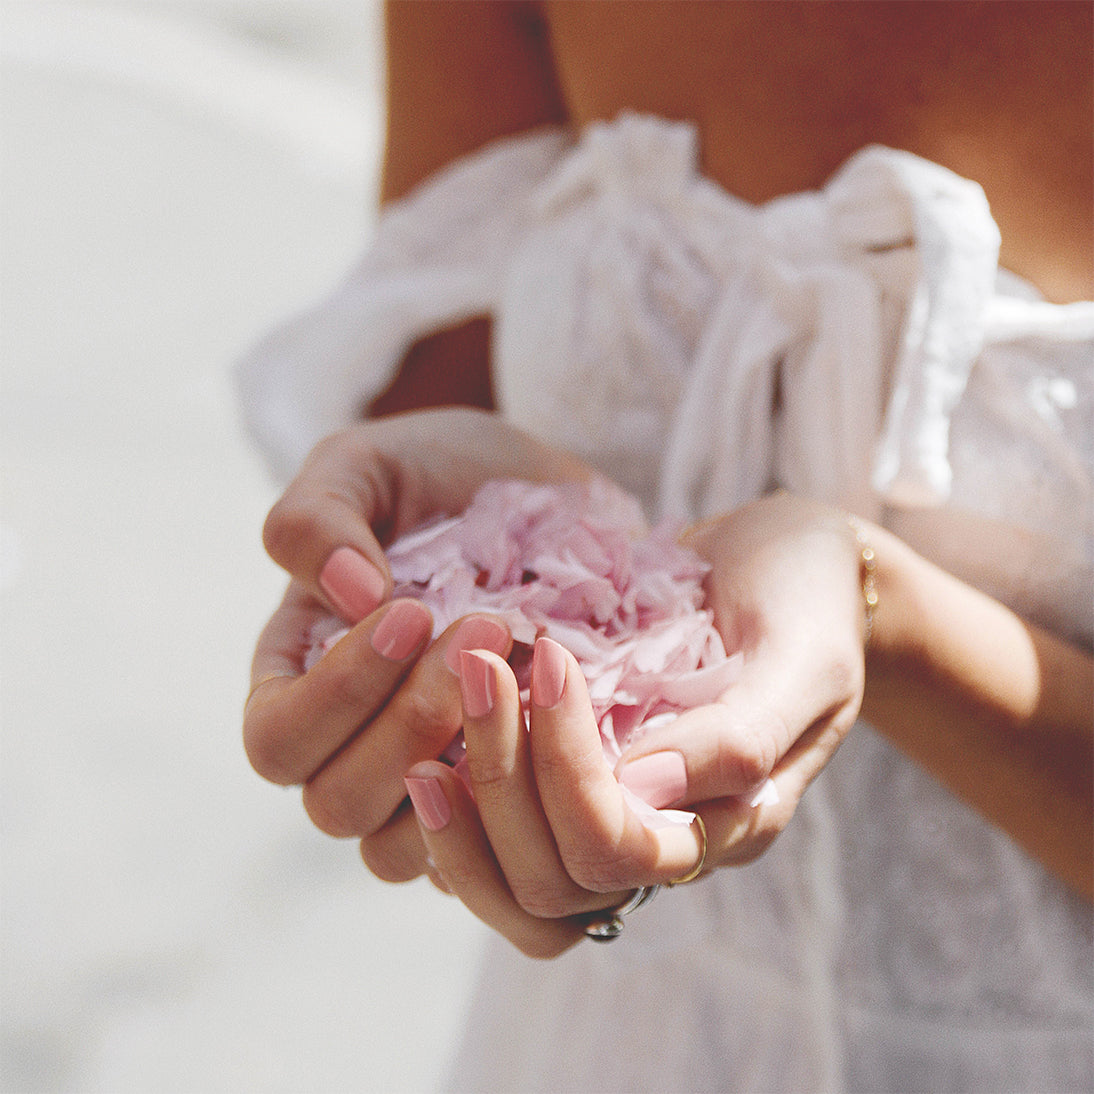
609,925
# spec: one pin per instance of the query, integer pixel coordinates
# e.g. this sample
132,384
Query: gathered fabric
859,345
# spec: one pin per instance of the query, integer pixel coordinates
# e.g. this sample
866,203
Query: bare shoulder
458,76
782,93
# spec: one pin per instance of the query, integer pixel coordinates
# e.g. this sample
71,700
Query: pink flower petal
576,562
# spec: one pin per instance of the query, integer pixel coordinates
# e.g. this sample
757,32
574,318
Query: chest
783,93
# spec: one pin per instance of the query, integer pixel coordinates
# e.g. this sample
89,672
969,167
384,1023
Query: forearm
996,709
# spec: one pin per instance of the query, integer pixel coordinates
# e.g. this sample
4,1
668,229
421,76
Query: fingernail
477,633
660,779
476,684
352,584
402,630
548,672
429,802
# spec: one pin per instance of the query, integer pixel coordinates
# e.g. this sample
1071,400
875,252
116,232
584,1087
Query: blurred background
174,177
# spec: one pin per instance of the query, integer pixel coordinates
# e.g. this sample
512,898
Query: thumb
730,748
322,529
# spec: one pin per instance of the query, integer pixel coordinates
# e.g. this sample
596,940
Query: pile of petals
577,563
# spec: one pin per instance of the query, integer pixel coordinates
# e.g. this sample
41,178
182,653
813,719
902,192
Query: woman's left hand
786,588
545,835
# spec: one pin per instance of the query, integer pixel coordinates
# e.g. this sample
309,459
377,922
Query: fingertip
548,673
659,779
352,583
477,632
429,801
403,630
478,685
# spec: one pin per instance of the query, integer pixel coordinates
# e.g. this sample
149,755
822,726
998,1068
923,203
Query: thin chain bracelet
869,576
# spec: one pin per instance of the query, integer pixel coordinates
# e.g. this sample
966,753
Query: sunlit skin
782,93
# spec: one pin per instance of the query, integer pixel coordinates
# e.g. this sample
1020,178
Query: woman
821,303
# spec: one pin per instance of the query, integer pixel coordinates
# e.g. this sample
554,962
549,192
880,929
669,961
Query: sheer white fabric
860,345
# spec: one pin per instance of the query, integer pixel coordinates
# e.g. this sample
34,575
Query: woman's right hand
385,697
365,486
382,699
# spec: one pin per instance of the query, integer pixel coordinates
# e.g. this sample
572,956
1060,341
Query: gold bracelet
869,576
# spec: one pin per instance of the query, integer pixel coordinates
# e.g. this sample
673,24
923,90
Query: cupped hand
382,699
786,589
540,835
385,696
364,486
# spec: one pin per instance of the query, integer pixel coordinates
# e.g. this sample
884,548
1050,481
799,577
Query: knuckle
539,900
428,721
331,809
601,873
354,444
752,851
557,766
391,860
348,689
268,755
544,949
760,838
845,716
749,757
487,772
328,445
287,525
846,677
755,835
349,446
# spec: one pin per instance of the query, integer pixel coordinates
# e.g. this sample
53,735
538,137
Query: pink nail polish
477,633
660,779
352,584
429,802
476,684
548,672
405,626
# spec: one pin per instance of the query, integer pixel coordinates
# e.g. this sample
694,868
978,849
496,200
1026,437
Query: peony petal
579,563
655,818
705,685
768,794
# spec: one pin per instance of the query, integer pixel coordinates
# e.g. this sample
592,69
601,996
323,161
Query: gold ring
265,680
697,869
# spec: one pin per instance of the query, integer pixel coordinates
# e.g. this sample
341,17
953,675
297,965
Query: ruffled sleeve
436,259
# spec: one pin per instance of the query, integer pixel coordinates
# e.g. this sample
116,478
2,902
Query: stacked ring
608,925
697,869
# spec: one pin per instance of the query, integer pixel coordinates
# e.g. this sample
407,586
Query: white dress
858,344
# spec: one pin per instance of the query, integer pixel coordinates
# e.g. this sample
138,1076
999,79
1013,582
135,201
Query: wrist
899,619
946,641
867,576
